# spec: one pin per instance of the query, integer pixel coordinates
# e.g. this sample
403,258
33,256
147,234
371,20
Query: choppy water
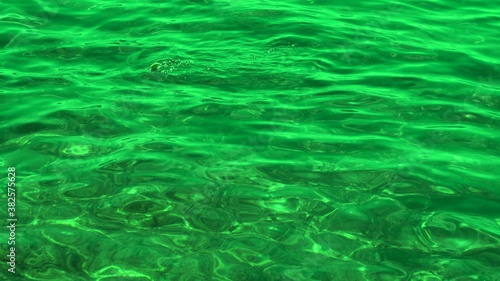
252,140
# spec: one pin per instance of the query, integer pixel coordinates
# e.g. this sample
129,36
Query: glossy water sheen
252,140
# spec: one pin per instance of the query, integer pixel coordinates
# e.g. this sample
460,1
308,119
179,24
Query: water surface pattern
252,140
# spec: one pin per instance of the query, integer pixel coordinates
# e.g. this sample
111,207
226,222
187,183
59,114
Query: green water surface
251,140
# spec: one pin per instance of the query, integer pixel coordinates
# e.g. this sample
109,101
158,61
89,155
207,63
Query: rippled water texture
252,140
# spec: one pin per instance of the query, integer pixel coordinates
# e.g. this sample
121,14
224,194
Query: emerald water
251,140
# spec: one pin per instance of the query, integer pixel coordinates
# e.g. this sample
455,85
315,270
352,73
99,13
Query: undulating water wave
252,140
